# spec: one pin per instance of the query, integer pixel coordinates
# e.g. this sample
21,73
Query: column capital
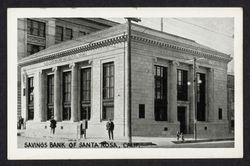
25,76
211,69
72,65
24,71
54,68
197,67
176,63
90,62
40,72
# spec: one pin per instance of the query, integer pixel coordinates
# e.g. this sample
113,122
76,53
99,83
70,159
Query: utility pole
195,98
129,77
162,24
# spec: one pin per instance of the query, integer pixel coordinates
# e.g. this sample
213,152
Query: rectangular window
50,96
85,112
201,97
108,91
32,49
220,113
81,33
59,34
30,98
85,93
66,95
182,88
141,111
108,112
68,35
160,93
36,28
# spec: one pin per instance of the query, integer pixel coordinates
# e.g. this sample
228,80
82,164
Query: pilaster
211,114
74,90
57,95
173,91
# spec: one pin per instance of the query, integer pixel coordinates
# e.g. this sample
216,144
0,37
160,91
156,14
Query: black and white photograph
125,83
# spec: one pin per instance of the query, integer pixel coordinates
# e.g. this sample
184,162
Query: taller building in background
36,34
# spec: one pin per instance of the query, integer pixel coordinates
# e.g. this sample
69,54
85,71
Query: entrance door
182,119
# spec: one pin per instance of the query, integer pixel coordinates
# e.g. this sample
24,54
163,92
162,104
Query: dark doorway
182,119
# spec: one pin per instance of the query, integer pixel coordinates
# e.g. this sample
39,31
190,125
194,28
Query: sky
216,33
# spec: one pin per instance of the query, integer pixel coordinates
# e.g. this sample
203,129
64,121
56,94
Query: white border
15,153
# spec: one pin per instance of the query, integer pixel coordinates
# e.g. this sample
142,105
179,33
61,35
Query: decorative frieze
206,53
64,59
69,54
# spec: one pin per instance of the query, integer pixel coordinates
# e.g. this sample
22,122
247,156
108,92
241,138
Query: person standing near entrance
53,125
110,127
178,135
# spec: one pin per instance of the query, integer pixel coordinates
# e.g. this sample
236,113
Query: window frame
108,90
50,96
70,35
30,48
30,95
59,36
82,33
141,111
220,114
67,95
40,30
161,88
85,102
182,86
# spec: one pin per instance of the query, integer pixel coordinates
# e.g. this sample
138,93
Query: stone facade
148,48
77,25
230,100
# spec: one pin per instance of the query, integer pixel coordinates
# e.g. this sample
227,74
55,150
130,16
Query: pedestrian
110,127
52,124
21,122
178,135
182,137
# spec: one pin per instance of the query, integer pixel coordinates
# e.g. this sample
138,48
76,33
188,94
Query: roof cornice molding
121,38
204,53
83,48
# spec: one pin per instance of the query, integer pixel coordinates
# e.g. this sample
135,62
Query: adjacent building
230,98
87,79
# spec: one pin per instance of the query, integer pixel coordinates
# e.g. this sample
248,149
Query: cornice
75,50
206,53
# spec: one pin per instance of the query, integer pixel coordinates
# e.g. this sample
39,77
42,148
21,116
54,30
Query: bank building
86,78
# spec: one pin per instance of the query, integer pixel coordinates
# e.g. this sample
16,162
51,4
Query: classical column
24,96
173,91
211,114
74,90
57,94
41,97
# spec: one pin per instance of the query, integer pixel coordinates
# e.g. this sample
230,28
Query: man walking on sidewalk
110,127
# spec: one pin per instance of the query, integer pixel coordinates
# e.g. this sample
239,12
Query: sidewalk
143,141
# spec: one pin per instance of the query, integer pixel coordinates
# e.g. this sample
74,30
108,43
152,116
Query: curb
204,140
